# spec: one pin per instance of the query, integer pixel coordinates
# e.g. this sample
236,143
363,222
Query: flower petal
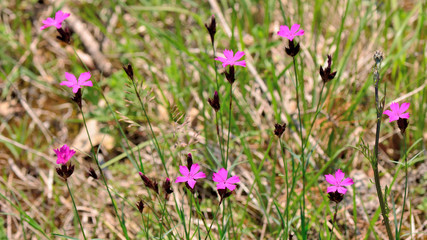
194,169
299,33
233,179
332,189
184,170
342,190
295,28
221,59
394,107
199,175
347,182
67,83
403,108
339,175
241,63
388,113
76,88
331,179
181,179
405,115
239,54
220,185
394,118
84,77
228,54
223,173
70,77
191,182
230,186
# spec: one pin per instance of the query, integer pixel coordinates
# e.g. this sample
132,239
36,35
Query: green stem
303,227
75,209
315,116
334,220
229,124
287,187
103,177
213,220
406,184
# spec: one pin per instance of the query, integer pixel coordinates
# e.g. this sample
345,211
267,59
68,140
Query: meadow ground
175,74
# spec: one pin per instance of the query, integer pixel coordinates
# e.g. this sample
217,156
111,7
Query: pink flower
338,182
63,154
230,59
290,34
76,85
57,22
191,175
397,112
223,182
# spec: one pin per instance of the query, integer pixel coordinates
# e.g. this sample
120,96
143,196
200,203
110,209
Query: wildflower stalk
213,220
287,187
406,184
229,124
315,116
75,209
104,180
334,221
374,161
302,154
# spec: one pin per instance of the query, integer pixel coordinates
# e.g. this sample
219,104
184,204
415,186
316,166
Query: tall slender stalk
229,124
333,221
406,184
287,187
303,227
374,162
75,209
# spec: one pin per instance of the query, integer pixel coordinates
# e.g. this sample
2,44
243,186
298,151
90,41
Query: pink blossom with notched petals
72,82
290,34
191,175
338,182
223,182
57,22
231,59
397,112
63,154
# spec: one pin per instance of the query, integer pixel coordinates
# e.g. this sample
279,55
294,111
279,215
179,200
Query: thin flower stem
75,209
375,160
315,116
216,214
287,186
229,124
123,226
303,227
334,221
219,136
406,184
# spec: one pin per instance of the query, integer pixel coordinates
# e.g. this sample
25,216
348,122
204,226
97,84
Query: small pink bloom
76,85
338,182
57,22
223,182
231,59
63,154
290,34
397,112
191,175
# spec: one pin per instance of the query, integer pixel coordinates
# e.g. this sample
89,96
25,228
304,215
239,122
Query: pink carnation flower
231,59
57,22
397,112
63,154
76,85
290,34
191,175
223,182
338,182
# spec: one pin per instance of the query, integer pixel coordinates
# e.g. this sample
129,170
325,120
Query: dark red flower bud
211,27
129,71
65,171
140,205
152,184
335,197
230,75
402,123
167,188
92,173
189,160
279,129
326,73
293,49
214,102
64,35
78,98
